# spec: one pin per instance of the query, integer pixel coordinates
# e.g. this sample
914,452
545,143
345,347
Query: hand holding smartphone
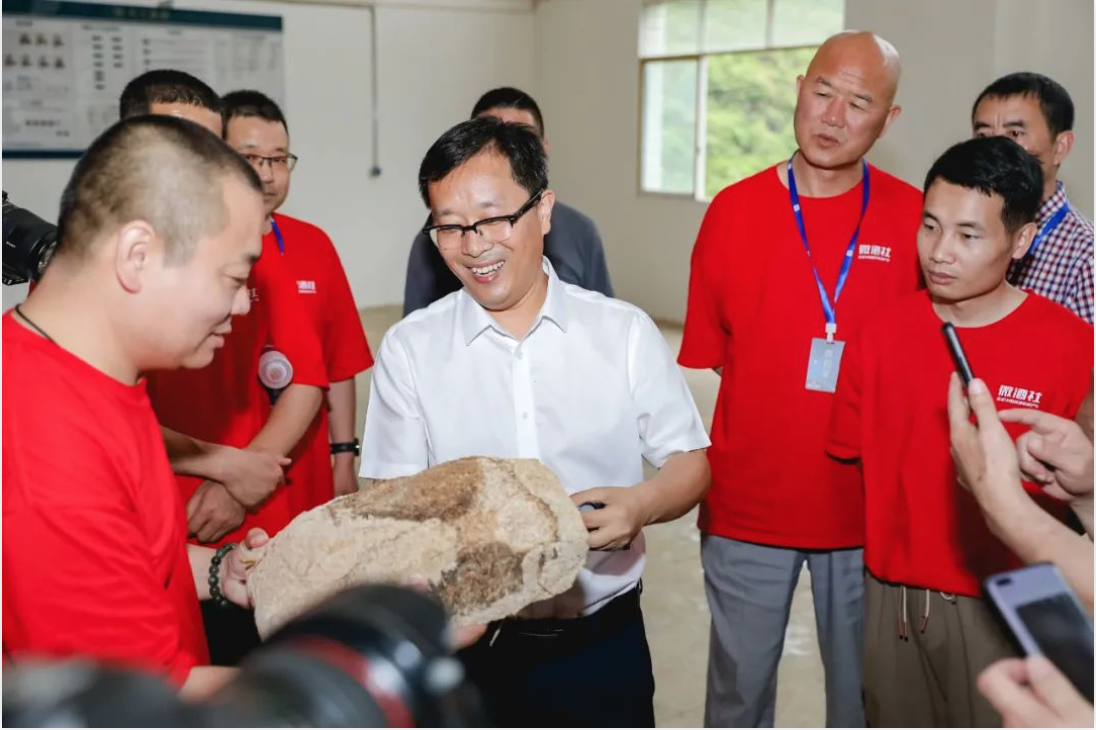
962,365
1045,617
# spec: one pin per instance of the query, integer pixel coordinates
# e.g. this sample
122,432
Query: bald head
846,99
163,170
864,54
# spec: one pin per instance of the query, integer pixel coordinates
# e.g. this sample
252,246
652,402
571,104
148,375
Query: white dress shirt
590,391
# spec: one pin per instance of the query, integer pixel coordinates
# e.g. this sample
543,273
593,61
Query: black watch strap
343,447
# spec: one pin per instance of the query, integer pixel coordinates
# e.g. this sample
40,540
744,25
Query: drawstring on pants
904,611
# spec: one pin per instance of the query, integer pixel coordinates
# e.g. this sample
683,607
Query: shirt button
525,415
519,354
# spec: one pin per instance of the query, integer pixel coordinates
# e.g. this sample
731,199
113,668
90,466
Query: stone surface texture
489,536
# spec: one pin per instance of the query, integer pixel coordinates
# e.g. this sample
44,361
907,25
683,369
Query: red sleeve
913,208
1084,360
345,349
705,336
291,331
78,579
843,440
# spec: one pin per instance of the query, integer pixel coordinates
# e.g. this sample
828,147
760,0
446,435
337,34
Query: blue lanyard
846,264
277,236
1049,226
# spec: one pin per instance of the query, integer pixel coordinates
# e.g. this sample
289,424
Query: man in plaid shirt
1037,113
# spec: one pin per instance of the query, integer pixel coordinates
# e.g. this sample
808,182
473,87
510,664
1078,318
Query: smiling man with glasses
573,245
493,230
518,364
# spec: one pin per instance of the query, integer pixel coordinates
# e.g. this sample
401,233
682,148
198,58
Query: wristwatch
342,447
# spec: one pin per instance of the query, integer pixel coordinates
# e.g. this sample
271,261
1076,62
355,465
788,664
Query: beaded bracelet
214,579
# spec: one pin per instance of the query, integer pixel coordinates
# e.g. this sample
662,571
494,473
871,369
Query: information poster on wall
66,63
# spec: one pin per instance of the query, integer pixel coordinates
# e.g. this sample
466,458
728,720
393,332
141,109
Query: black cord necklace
32,324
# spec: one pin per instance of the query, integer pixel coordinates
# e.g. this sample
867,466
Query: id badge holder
824,362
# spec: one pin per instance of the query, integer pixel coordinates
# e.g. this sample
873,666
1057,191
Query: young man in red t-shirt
756,316
95,559
256,128
928,632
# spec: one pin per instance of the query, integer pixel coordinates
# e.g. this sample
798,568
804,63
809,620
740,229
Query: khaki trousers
923,652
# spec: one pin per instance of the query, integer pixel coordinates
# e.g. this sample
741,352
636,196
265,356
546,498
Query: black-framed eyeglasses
280,162
493,230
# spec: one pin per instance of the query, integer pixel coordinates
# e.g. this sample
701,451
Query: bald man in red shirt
772,319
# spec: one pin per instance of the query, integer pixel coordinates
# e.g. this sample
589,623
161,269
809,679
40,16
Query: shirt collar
1052,204
474,319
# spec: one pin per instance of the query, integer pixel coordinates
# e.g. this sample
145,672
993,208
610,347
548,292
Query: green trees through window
719,87
751,99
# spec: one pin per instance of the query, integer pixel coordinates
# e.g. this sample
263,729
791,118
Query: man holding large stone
159,228
518,364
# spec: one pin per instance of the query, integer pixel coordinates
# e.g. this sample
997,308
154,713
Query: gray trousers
750,590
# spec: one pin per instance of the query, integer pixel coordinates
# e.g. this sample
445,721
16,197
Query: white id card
824,364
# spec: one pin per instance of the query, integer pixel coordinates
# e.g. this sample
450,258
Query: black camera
372,656
29,243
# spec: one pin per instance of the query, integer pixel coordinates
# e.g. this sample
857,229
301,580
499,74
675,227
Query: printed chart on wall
66,63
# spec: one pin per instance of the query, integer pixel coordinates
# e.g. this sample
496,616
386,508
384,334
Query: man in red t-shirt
225,443
95,559
223,407
757,316
256,128
928,633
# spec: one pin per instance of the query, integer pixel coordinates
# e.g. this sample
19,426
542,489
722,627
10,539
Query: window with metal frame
717,87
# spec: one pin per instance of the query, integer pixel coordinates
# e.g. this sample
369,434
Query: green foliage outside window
751,100
750,52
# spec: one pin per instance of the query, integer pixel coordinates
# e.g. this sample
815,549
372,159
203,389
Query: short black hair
251,103
994,166
165,86
1054,101
507,97
161,169
516,142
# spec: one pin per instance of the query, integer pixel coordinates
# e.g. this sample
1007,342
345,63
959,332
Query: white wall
434,62
946,64
1055,38
588,89
588,85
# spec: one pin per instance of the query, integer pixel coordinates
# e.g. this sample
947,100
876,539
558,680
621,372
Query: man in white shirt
518,364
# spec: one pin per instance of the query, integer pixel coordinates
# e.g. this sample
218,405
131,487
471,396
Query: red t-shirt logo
874,253
1019,396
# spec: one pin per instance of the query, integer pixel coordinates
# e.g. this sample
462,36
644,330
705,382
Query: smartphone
1045,617
957,354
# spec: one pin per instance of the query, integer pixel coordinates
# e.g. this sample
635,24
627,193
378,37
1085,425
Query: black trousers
593,671
230,633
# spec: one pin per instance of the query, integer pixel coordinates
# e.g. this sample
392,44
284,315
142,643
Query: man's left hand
1055,453
984,454
212,513
239,563
614,526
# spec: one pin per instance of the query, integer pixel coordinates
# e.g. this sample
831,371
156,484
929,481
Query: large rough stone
489,536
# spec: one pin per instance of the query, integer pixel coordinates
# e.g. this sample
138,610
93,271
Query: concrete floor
674,606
